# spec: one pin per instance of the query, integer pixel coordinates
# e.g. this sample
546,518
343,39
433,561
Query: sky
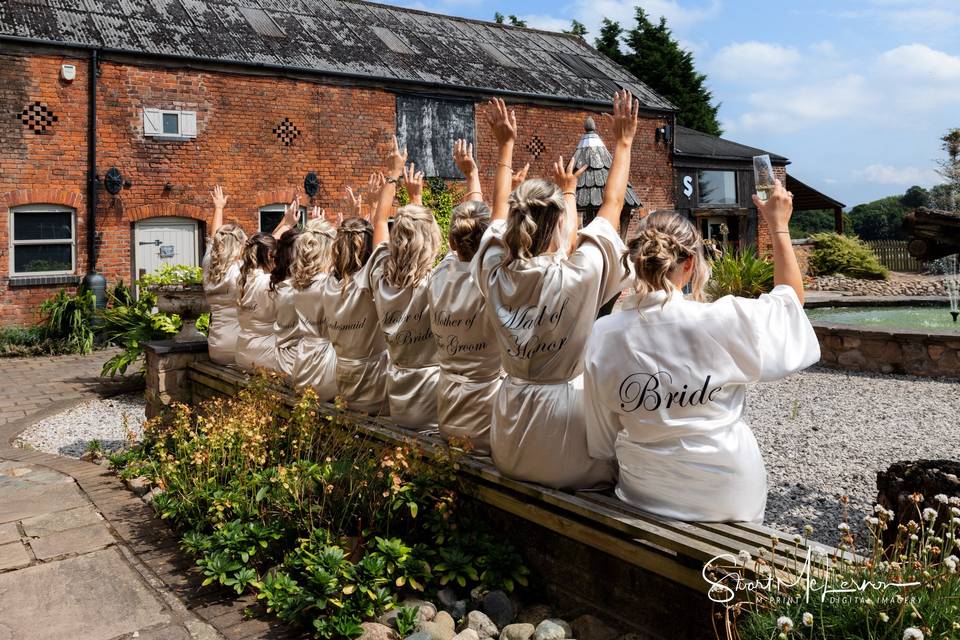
856,93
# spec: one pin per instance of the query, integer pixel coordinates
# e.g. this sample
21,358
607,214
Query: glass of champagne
763,176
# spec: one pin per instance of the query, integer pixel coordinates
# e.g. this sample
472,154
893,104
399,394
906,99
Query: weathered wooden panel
427,127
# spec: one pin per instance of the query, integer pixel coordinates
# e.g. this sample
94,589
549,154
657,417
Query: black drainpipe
93,280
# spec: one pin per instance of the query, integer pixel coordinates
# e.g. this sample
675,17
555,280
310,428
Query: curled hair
226,246
414,244
467,223
665,243
537,219
312,252
352,247
283,257
258,253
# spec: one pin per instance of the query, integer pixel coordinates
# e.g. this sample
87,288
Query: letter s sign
688,186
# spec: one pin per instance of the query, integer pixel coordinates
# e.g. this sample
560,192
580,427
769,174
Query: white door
160,241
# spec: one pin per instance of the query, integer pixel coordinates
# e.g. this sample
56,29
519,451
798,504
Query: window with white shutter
170,124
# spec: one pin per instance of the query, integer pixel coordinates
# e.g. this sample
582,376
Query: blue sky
855,92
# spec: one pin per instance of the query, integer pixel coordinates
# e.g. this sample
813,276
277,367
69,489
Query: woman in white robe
470,372
543,303
221,273
666,378
398,277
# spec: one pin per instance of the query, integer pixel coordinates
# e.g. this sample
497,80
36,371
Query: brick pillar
166,378
764,241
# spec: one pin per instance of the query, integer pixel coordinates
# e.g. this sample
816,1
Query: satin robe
304,353
224,323
470,372
665,389
257,344
413,372
542,310
353,329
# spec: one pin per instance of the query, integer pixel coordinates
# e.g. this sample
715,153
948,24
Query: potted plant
179,290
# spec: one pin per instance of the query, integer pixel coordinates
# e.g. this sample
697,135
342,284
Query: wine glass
763,176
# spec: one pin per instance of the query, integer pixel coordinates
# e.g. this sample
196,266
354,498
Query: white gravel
825,434
106,419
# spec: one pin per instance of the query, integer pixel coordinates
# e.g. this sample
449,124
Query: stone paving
80,555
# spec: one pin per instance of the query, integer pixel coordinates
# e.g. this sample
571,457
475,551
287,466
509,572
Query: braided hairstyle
467,223
258,253
665,243
352,247
312,252
414,244
537,220
284,257
226,246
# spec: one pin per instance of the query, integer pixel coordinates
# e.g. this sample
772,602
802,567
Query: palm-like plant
741,274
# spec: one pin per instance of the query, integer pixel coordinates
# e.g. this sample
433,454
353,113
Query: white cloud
753,61
920,62
547,23
891,175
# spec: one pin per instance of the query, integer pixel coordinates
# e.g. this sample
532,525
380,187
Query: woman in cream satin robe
351,321
470,372
398,277
543,303
221,273
257,344
666,378
286,327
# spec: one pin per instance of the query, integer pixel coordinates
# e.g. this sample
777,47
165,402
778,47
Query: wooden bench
664,558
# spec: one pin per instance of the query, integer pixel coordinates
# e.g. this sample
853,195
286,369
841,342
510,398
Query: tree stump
930,478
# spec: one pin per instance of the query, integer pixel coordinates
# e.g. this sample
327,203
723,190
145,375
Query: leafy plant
27,341
203,323
128,323
173,274
407,620
66,318
440,198
740,274
849,256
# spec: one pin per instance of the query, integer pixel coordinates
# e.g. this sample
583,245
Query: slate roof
362,40
690,143
594,154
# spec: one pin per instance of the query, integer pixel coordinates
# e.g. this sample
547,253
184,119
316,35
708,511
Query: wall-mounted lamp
311,184
664,134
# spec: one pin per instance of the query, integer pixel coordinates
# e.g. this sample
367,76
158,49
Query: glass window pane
47,225
269,220
42,257
717,187
171,123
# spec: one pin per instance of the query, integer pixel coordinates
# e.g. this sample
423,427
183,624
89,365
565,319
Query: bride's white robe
664,391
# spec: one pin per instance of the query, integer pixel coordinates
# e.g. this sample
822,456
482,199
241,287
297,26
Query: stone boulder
930,478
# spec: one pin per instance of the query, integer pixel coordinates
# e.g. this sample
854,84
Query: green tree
804,224
577,28
656,58
950,167
915,196
880,220
511,19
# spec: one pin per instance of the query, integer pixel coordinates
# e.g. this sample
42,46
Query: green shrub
128,323
440,198
740,274
26,341
849,256
66,319
172,274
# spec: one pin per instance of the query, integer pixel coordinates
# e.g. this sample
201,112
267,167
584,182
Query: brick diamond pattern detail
38,117
536,146
286,132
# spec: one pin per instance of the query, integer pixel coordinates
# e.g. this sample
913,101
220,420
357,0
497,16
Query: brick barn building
256,95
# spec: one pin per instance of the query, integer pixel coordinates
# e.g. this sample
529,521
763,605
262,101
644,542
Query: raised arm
396,160
463,157
626,111
776,212
356,202
291,217
219,202
413,180
503,123
566,179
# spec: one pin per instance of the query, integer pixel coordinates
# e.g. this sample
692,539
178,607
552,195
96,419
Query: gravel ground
69,433
825,434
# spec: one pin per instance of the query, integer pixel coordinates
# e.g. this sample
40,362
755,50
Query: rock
447,598
567,629
88,456
459,609
549,630
419,635
534,614
428,611
467,634
482,624
377,631
903,479
445,620
498,607
150,495
588,627
139,485
436,631
519,631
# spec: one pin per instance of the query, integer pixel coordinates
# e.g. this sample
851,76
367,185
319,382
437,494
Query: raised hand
317,212
463,157
626,113
356,203
396,159
566,177
219,200
291,213
413,179
502,122
777,210
518,177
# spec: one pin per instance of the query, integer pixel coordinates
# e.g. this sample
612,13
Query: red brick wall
344,133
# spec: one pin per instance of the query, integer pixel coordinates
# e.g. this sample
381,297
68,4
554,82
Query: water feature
909,317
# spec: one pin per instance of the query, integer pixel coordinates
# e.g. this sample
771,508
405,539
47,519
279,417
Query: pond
920,318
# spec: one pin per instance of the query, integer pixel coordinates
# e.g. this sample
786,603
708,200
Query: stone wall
166,372
909,352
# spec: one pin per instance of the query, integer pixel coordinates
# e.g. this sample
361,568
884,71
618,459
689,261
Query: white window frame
153,124
42,208
280,208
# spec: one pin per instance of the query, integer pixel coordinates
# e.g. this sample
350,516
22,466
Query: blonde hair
665,243
537,219
312,252
258,253
225,249
467,223
414,244
352,247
